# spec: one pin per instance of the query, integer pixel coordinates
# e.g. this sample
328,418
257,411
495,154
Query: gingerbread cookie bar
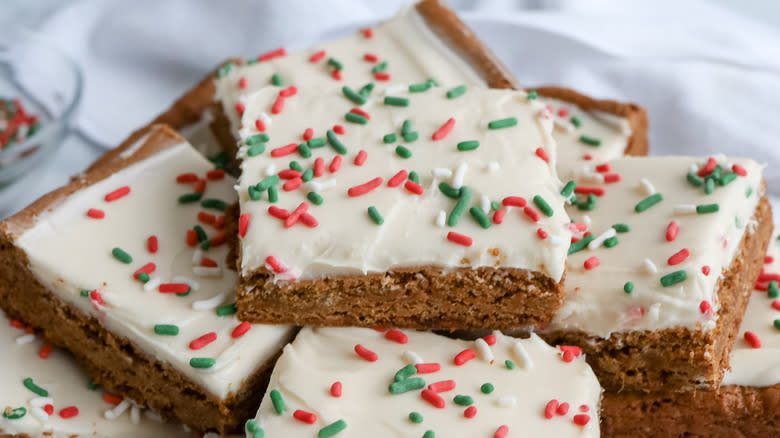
124,266
658,279
418,207
748,400
394,383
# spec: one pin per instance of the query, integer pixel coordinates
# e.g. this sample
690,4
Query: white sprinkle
649,266
270,170
412,357
441,172
563,125
647,186
586,220
237,187
318,186
654,311
507,401
117,411
194,285
460,173
135,414
694,168
25,339
485,353
684,209
151,284
554,240
523,358
210,303
266,119
393,89
441,218
719,157
205,271
595,243
485,203
40,414
593,177
492,166
197,256
39,402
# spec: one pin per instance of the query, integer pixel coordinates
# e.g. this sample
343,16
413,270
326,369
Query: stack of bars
358,196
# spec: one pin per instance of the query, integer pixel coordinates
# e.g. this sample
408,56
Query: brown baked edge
731,412
673,359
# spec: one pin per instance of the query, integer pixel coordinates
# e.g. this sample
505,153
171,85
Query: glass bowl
48,85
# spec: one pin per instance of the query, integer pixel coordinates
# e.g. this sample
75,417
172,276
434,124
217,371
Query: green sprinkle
294,165
707,208
621,228
495,206
382,66
532,95
673,278
568,189
487,388
202,362
214,204
14,414
355,118
576,122
353,96
509,364
273,194
419,88
749,192
366,90
315,198
406,385
257,138
318,142
727,178
403,151
92,386
410,136
373,213
648,202
166,329
611,242
449,191
482,219
396,101
772,290
255,429
694,179
592,141
628,287
226,310
333,62
335,143
278,401
29,384
254,194
460,207
304,150
189,198
543,206
84,292
267,182
406,126
308,174
276,80
709,185
503,123
332,429
224,70
463,400
143,277
456,92
405,372
122,256
777,324
202,236
189,289
256,150
429,434
415,417
389,138
469,145
581,244
715,174
432,82
413,177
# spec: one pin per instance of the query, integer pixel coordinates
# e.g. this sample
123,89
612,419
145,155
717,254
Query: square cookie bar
667,252
394,383
124,266
436,208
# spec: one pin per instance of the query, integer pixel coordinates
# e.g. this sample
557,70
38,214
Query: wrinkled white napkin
710,78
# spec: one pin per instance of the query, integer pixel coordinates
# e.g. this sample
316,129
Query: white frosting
347,241
320,357
596,302
412,52
69,251
67,385
759,366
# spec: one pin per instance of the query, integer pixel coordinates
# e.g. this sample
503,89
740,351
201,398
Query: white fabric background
709,77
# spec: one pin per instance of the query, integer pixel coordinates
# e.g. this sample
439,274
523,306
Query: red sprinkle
679,257
278,105
531,213
413,187
296,214
442,386
309,220
192,238
319,167
308,133
218,239
514,201
562,409
240,108
243,223
360,112
382,76
317,56
498,216
112,399
708,168
612,178
94,213
275,265
490,339
338,129
152,245
591,263
335,164
705,270
563,112
460,239
260,125
470,412
289,174
272,54
242,83
397,179
541,153
501,432
368,32
752,339
207,218
278,213
541,233
768,259
587,157
290,91
360,159
464,356
739,170
240,330
118,193
581,419
335,389
370,57
671,231
16,324
215,174
292,184
434,399
305,417
220,222
186,178
549,410
208,263
776,304
396,336
49,409
769,277
200,186
444,129
202,341
69,412
336,74
45,351
706,308
147,268
364,188
426,368
584,408
365,353
603,168
284,150
97,297
176,288
582,190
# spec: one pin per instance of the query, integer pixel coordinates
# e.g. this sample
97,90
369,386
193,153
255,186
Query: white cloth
709,77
